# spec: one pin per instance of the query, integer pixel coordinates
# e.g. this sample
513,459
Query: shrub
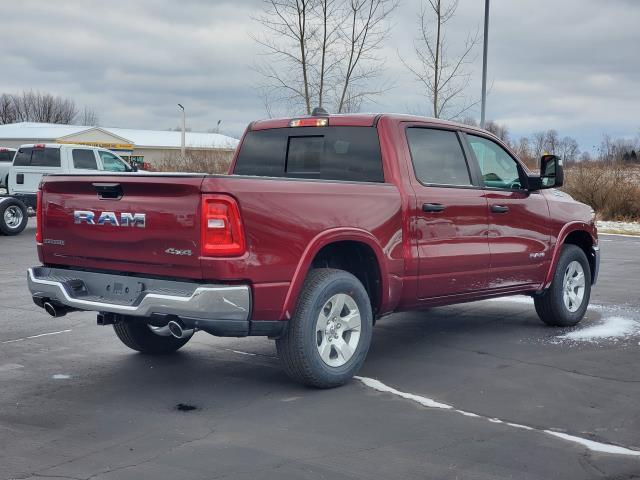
196,161
612,190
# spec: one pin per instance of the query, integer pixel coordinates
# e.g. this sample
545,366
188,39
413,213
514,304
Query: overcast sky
572,65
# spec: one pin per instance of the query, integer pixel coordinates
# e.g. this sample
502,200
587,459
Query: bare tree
321,52
30,106
363,36
568,149
443,76
538,143
500,131
288,44
88,116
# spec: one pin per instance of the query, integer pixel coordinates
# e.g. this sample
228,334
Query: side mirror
551,171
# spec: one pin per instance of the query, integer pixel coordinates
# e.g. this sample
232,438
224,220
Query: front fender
562,236
320,241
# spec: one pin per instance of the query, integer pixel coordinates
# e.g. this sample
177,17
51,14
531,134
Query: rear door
450,215
84,160
30,164
518,219
138,224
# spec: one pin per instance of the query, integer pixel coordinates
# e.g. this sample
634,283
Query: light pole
484,63
183,130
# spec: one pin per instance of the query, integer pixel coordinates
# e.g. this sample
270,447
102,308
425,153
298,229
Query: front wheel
329,335
565,302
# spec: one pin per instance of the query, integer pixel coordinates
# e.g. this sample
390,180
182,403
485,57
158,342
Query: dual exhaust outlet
176,327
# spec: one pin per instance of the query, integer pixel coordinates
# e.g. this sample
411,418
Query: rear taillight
39,216
222,233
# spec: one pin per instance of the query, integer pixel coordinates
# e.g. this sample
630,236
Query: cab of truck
32,161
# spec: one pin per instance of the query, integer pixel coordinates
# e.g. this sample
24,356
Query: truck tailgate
147,224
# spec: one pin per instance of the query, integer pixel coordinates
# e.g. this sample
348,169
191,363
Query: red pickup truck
325,224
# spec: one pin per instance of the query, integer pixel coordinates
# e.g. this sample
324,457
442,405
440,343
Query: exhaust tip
51,309
176,329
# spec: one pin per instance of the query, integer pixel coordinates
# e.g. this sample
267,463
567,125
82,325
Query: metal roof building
139,145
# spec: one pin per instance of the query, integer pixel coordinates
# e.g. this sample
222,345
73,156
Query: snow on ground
431,403
627,228
610,328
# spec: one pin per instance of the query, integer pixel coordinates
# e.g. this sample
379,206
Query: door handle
433,207
499,209
108,191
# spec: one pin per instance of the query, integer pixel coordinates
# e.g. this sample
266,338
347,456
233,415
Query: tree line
35,106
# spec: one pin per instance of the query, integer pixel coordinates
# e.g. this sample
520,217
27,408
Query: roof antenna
319,112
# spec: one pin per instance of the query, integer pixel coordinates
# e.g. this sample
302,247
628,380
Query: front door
519,229
449,217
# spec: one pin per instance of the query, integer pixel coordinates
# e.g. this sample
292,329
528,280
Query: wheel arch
333,248
579,234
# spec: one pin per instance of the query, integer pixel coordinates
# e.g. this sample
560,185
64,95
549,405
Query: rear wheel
13,217
148,339
565,302
329,335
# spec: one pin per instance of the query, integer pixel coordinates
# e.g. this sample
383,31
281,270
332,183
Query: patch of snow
595,446
629,228
429,402
60,376
381,387
610,328
513,299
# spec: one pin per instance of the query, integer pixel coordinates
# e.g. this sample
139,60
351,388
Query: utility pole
218,126
484,63
184,126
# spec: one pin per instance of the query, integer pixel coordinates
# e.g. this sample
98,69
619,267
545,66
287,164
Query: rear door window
37,157
438,158
6,155
326,153
84,159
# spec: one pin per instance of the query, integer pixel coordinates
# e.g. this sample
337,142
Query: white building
148,146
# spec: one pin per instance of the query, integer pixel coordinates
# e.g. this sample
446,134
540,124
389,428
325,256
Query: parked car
33,161
6,157
326,224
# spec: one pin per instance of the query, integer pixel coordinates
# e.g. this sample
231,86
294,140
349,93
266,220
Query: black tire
16,206
298,347
138,336
550,305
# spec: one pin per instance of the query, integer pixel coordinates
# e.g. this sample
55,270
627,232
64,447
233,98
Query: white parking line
430,403
35,336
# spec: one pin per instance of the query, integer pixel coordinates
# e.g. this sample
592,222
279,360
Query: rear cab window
37,157
325,153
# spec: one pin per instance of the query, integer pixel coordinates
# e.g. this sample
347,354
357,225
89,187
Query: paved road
78,404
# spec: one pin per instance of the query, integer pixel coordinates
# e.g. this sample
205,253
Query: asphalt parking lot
75,403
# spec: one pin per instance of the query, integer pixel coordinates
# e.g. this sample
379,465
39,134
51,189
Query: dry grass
197,161
613,190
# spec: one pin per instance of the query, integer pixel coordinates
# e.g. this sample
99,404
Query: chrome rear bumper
140,297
